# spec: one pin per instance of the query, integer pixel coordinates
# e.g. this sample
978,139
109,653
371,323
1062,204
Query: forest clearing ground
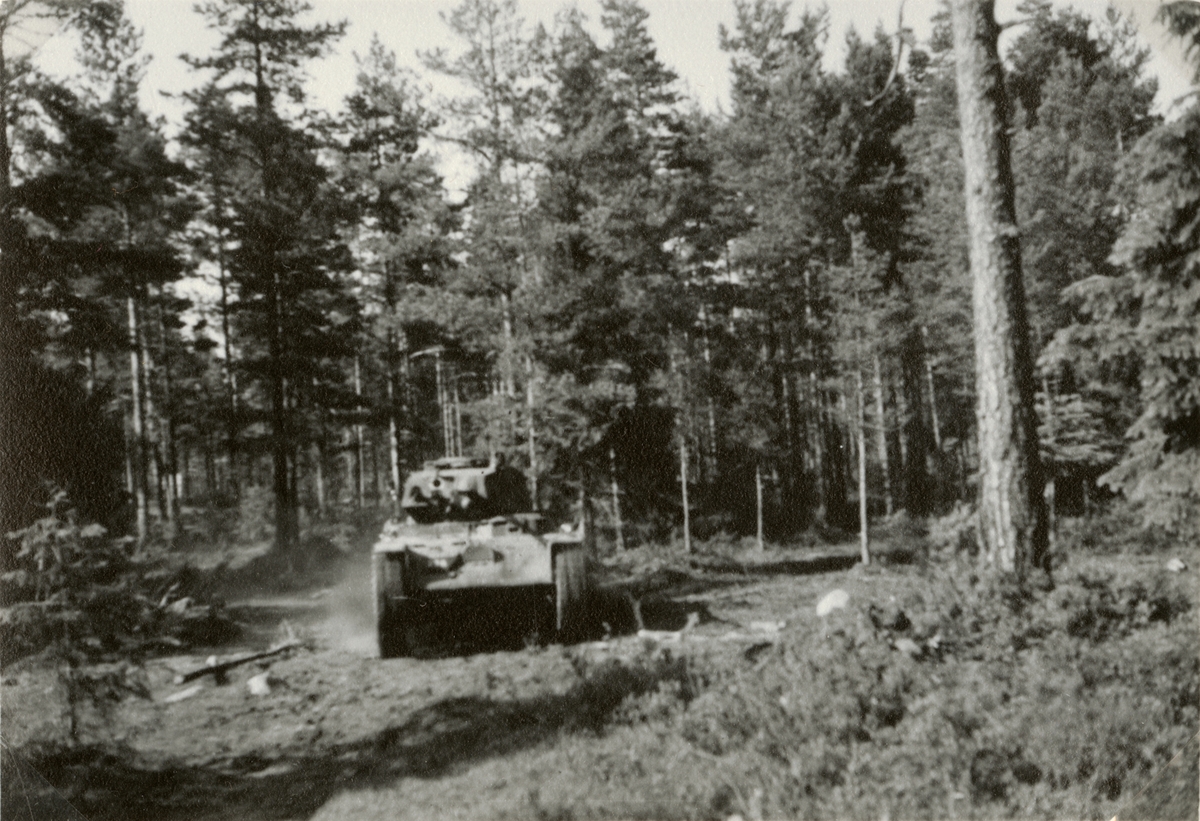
506,730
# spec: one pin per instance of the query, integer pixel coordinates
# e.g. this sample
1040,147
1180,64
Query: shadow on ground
115,783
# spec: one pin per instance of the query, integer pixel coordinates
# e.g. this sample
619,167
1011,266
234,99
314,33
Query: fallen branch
219,670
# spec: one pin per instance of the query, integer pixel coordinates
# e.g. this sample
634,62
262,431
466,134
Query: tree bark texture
1012,510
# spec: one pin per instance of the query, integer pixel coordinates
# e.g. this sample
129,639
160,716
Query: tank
469,528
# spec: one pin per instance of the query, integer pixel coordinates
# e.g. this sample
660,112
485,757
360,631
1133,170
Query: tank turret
457,489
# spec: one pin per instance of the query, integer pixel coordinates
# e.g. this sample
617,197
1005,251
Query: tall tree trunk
680,401
166,428
683,491
758,509
800,509
318,461
861,443
711,469
210,469
817,447
845,475
616,497
530,408
231,390
443,404
1050,472
359,458
394,479
137,449
933,411
919,467
507,369
457,418
903,413
815,417
785,405
881,435
1012,509
286,523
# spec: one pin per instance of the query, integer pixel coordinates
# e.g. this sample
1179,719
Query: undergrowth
948,696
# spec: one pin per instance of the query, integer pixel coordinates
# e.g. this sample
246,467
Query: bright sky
685,31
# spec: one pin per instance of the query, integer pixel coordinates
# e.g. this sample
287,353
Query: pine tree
286,253
499,122
1012,508
106,202
813,159
1136,333
402,235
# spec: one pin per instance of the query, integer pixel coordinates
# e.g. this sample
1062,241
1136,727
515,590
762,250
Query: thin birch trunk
616,497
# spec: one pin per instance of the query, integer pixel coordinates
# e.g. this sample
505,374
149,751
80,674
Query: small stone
908,647
833,600
259,685
1176,565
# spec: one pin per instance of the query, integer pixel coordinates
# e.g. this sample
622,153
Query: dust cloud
349,623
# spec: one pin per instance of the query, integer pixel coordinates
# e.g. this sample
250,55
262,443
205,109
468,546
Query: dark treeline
635,300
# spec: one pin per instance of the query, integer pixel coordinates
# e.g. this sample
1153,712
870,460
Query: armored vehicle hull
461,536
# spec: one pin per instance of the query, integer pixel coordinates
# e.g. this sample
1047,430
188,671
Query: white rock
908,646
259,686
833,600
1176,565
766,626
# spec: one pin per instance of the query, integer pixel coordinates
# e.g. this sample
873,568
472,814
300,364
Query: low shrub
956,533
962,698
1121,528
69,585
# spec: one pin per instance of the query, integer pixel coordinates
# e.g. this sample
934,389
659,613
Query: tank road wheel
392,631
570,590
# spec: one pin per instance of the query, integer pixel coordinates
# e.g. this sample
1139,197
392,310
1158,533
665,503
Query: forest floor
485,722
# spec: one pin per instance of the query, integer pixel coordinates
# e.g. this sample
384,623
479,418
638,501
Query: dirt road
472,727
